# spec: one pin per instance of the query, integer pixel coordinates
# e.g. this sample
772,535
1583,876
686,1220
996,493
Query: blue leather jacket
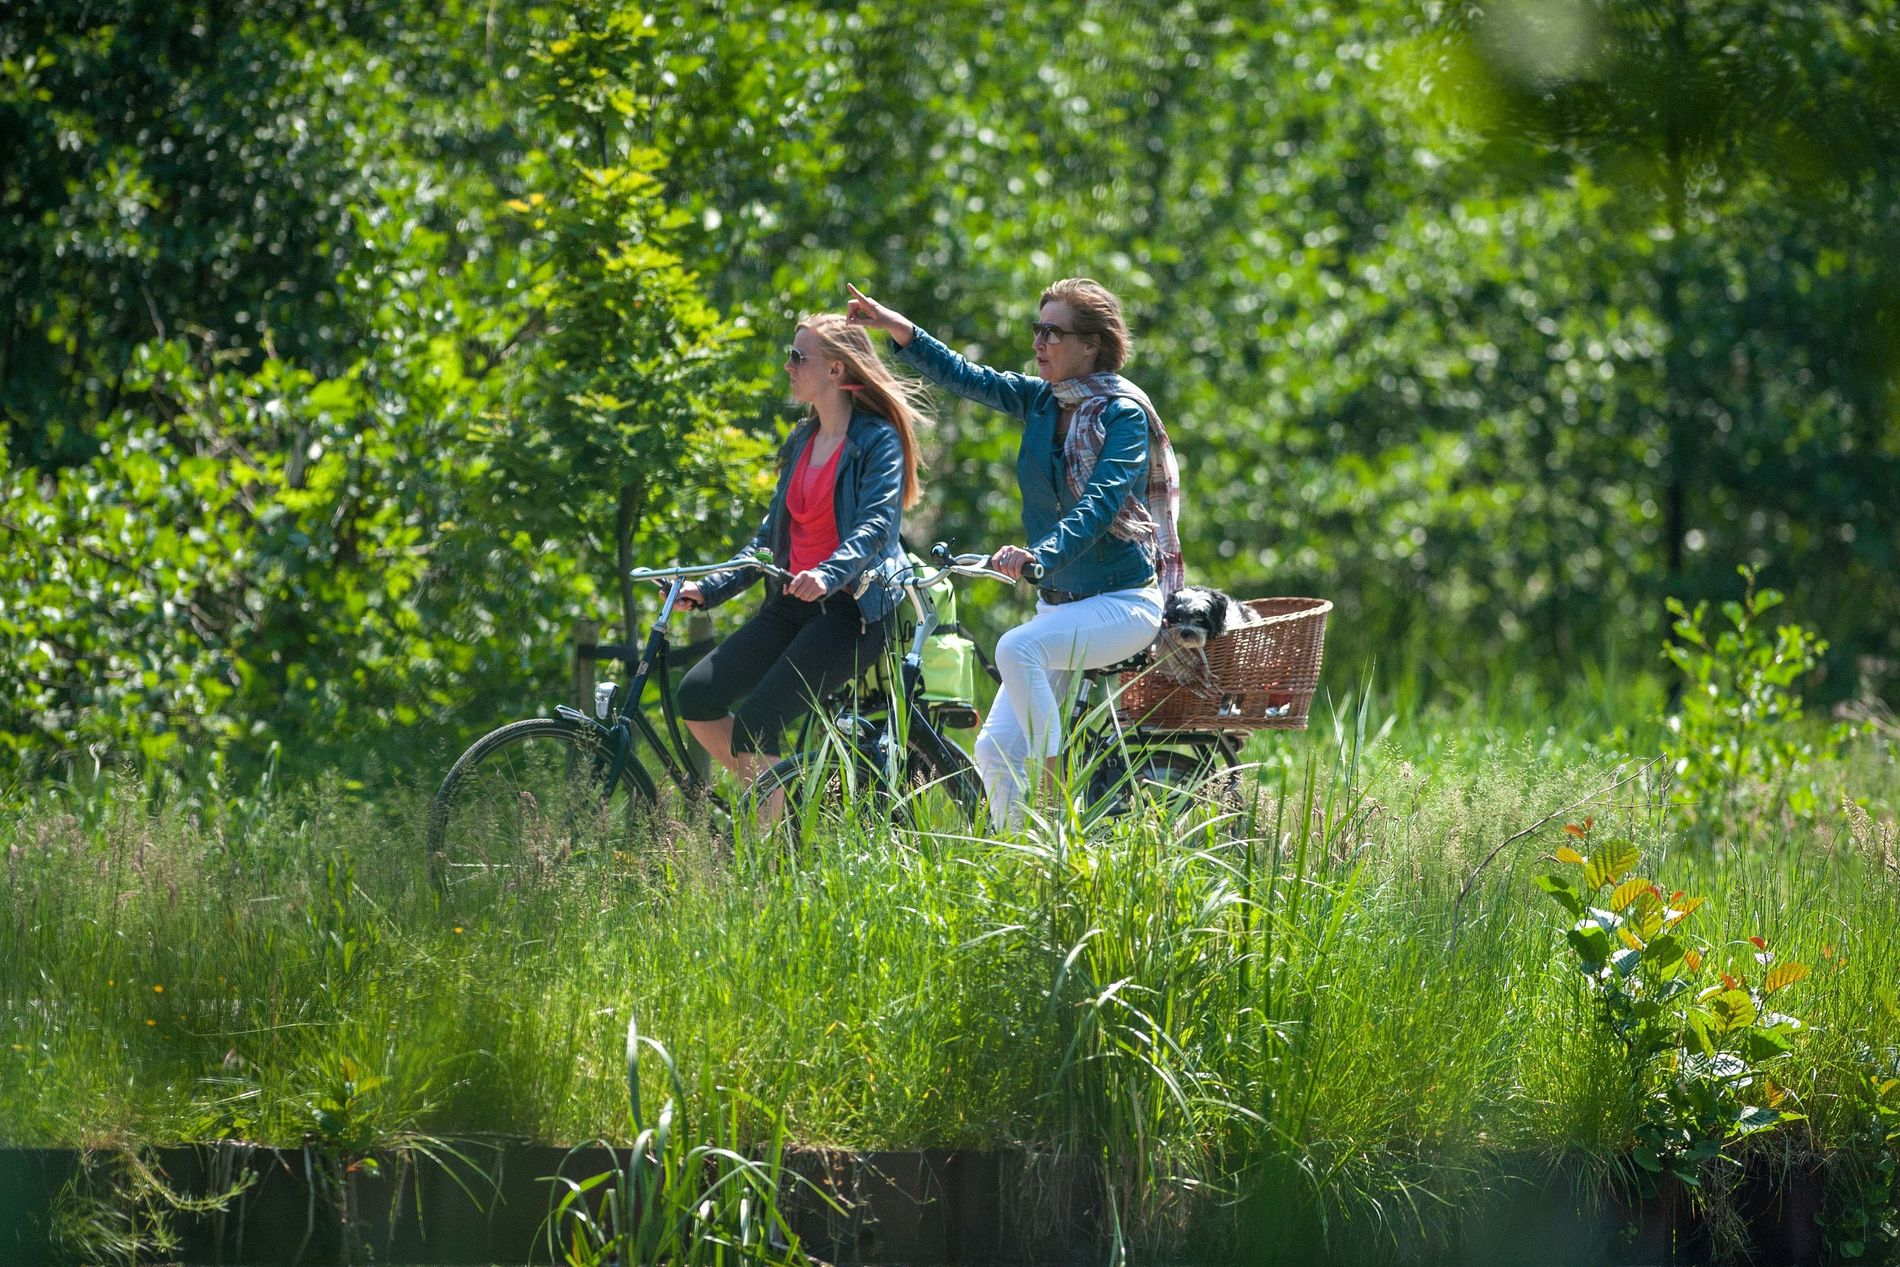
1067,534
867,503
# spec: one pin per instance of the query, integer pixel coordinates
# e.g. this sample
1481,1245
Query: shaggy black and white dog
1193,616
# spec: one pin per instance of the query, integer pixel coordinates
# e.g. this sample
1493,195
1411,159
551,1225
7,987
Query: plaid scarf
1157,522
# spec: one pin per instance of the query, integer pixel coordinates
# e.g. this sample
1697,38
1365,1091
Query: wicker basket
1263,675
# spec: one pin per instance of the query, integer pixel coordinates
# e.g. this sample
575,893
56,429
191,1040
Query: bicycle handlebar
966,565
761,561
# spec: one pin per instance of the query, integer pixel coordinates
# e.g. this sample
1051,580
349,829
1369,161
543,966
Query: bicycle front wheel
524,798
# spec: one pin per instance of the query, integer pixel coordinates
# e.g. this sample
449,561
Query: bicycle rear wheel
1178,783
526,797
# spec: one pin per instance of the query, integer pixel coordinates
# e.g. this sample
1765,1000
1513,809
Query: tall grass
1305,1028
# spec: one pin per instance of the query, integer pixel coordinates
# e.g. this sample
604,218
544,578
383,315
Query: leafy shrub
1861,1221
1737,734
1698,1050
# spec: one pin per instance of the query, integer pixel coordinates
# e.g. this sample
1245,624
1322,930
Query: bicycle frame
1084,735
629,720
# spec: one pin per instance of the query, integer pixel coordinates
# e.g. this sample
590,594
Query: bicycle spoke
525,799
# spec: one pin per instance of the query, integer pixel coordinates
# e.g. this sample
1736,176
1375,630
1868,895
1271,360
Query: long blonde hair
871,381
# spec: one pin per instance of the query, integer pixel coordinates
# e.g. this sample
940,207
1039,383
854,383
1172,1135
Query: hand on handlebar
1017,564
808,586
690,597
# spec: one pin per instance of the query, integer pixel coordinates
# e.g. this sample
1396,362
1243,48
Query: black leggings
790,655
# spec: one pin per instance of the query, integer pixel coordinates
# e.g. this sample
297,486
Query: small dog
1193,616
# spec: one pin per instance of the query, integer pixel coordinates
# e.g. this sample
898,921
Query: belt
1055,598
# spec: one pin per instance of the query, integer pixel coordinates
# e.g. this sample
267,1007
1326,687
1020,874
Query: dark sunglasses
794,356
1048,331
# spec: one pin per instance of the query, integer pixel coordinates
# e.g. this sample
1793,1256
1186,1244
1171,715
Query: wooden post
586,634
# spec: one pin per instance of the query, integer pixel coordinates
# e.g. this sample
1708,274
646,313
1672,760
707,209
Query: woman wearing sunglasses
1100,500
845,475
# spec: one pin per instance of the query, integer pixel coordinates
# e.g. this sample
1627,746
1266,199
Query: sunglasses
794,357
1048,332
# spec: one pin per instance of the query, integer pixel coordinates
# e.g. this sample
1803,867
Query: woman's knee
760,719
698,695
1017,654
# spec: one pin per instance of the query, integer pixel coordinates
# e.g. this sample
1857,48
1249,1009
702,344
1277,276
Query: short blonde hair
1097,313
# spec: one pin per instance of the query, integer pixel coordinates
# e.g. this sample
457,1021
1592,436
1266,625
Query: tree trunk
1677,403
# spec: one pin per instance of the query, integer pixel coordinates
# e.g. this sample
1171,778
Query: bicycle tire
820,787
937,798
525,797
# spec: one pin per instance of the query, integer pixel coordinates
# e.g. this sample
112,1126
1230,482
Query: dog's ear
1217,606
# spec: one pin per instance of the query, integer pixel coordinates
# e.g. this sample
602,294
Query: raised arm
1120,470
1012,394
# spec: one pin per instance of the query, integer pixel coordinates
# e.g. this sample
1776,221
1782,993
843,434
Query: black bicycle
545,790
903,765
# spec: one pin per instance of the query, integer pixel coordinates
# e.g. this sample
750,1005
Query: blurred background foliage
350,345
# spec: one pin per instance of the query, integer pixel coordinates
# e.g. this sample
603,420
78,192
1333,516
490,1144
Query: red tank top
809,502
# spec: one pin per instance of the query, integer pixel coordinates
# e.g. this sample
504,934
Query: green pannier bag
949,669
949,660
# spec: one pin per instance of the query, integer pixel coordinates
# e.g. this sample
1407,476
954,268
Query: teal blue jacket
1067,534
867,505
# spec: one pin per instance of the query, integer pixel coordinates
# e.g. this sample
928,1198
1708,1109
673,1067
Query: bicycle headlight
603,699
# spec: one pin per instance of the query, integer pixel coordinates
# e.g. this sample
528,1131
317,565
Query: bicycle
902,758
544,790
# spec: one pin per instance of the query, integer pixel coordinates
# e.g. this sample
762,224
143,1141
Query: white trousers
1037,661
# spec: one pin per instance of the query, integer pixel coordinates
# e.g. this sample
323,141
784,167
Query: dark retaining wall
912,1209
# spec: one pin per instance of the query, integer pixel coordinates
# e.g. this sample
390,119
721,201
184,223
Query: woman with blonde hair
1100,500
845,475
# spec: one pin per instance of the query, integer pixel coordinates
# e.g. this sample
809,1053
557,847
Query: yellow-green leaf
1783,974
1733,1009
1610,865
1566,854
1627,892
1680,913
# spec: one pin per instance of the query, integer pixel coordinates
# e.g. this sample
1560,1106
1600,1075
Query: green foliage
680,1199
1861,1221
1699,1052
284,529
1348,1073
1494,327
626,417
1737,740
119,1208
